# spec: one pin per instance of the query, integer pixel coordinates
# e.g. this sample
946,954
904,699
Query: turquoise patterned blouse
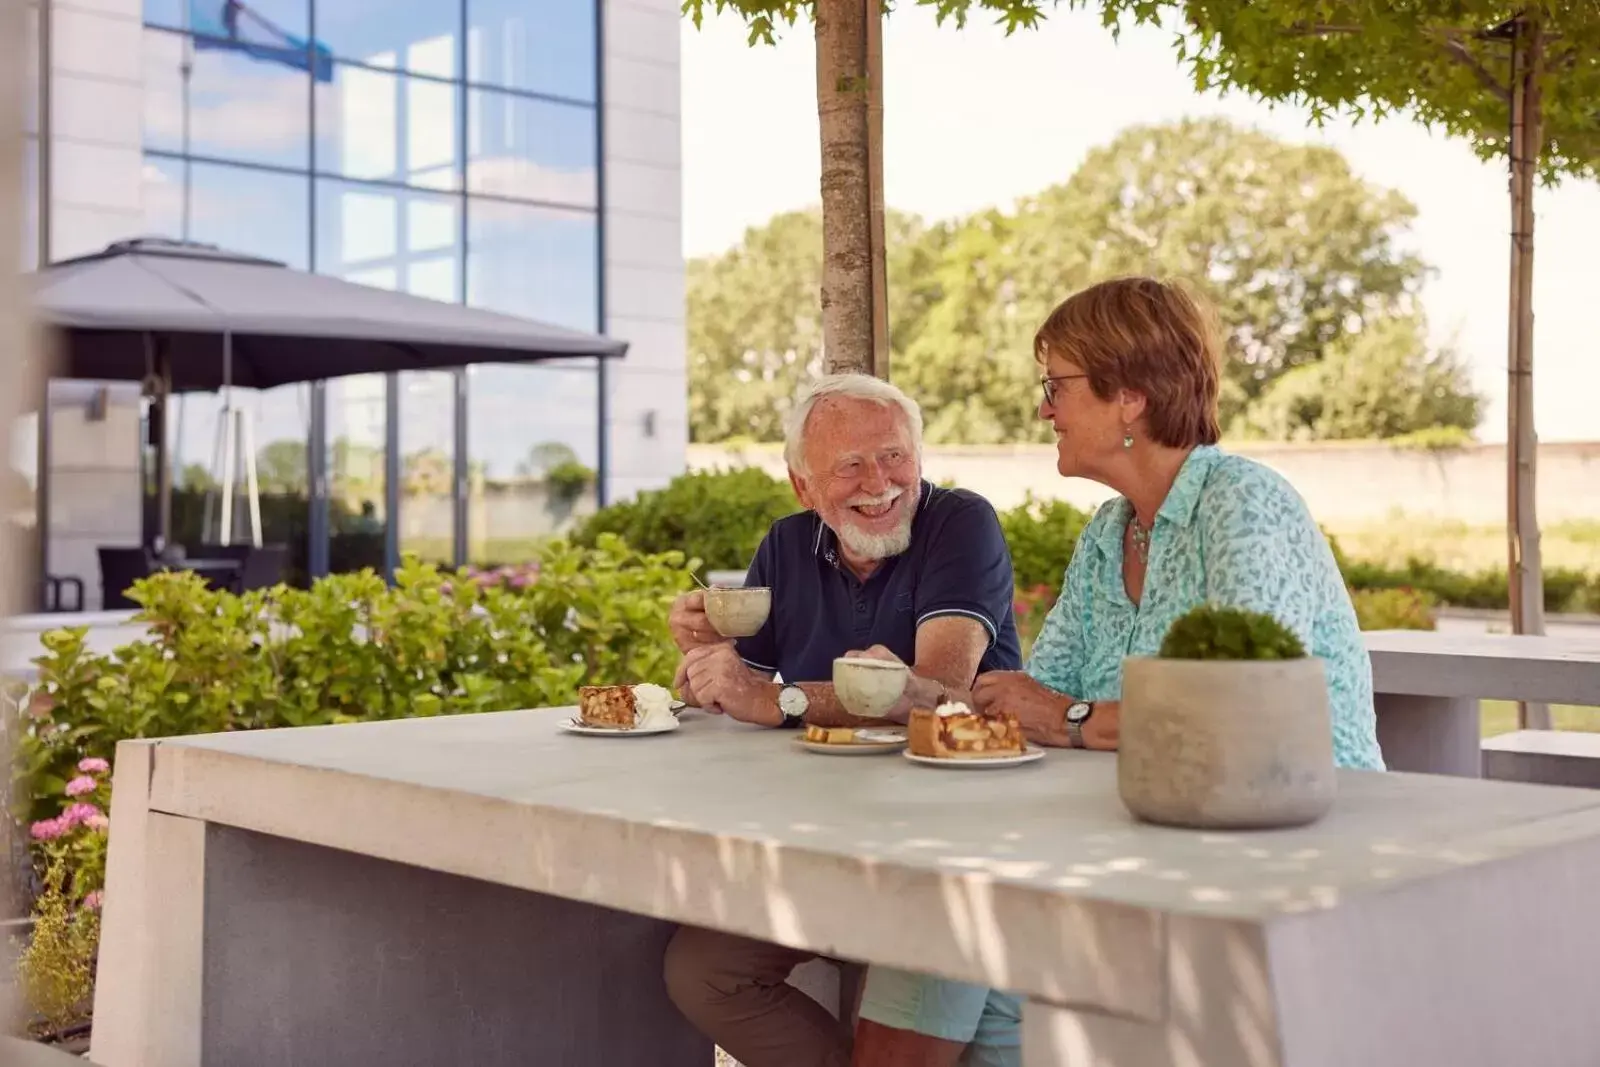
1233,532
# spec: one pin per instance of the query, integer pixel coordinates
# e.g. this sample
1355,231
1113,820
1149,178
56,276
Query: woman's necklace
1139,534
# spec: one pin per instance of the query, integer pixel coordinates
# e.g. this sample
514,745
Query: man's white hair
850,387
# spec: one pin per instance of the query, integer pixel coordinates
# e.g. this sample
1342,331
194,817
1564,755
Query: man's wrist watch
1077,714
792,704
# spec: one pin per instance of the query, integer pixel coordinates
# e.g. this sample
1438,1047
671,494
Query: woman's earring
1127,438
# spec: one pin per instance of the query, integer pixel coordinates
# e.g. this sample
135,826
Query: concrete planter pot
1225,744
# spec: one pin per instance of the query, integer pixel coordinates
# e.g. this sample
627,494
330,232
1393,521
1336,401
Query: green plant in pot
1227,728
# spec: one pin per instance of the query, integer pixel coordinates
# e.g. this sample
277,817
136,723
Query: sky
974,119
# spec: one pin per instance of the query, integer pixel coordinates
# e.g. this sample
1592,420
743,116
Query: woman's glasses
1048,384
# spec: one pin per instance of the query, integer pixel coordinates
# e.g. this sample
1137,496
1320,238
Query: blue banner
229,25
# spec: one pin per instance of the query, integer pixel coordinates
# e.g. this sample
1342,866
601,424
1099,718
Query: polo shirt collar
826,543
1183,499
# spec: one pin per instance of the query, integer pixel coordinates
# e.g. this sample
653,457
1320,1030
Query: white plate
858,747
576,726
1031,753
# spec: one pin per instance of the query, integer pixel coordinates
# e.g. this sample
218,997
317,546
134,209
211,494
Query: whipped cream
652,706
954,707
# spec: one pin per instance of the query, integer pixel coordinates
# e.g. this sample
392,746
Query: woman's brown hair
1149,337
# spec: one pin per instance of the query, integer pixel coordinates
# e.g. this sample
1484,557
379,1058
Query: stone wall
1348,484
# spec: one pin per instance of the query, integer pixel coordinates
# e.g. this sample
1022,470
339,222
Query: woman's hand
1041,711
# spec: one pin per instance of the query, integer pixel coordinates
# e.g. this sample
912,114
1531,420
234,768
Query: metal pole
230,458
186,69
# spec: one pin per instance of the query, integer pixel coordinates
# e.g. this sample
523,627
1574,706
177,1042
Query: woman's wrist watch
1077,713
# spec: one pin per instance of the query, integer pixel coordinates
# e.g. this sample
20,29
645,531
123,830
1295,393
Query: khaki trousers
734,990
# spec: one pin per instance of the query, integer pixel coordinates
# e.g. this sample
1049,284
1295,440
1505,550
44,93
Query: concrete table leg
228,948
1430,735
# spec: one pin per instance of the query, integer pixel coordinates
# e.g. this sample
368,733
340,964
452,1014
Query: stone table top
1028,878
1562,670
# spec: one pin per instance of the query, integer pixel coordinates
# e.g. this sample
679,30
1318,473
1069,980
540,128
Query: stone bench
1546,757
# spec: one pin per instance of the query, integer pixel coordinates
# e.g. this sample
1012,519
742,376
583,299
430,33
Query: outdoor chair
119,569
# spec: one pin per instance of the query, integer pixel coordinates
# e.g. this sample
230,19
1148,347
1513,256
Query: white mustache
888,497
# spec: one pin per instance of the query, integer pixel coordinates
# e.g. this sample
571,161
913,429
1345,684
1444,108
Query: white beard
878,546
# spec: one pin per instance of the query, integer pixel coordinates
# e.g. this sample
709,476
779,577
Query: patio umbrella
139,301
183,317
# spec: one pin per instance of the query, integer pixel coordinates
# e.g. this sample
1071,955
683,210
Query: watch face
793,701
1079,712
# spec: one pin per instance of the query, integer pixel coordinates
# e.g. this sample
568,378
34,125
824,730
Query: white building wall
96,137
644,270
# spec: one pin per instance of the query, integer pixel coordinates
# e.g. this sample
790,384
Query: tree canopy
1438,60
1300,256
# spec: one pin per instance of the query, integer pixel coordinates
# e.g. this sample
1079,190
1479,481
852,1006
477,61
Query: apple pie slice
955,731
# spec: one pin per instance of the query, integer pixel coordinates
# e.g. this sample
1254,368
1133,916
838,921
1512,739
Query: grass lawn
1500,717
1464,547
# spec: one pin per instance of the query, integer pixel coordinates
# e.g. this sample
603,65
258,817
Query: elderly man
880,561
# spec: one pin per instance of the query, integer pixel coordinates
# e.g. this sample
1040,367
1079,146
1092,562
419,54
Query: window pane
390,238
258,213
539,46
540,263
420,36
357,415
378,126
531,149
427,464
240,108
261,19
532,439
278,422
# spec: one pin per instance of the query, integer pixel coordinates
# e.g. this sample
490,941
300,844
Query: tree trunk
851,242
1526,150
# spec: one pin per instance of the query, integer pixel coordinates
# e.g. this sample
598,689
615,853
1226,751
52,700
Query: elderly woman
1130,388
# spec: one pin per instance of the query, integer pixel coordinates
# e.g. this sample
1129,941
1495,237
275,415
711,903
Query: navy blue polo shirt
957,564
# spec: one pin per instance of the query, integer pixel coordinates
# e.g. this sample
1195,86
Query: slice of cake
624,707
955,731
830,735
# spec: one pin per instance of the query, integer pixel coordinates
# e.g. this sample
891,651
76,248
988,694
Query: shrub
1042,535
1394,609
1211,631
350,648
55,970
719,516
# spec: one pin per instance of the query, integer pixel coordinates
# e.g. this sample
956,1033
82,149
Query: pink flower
97,822
47,829
80,813
93,765
92,900
81,785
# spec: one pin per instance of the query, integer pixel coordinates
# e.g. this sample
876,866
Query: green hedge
720,516
349,648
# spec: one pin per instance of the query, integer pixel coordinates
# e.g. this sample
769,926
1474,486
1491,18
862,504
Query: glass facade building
451,149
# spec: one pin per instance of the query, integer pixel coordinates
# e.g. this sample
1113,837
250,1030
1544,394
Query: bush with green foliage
350,648
718,516
1394,609
1042,535
1212,631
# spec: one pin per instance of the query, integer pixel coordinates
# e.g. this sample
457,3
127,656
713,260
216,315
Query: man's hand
720,681
690,626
